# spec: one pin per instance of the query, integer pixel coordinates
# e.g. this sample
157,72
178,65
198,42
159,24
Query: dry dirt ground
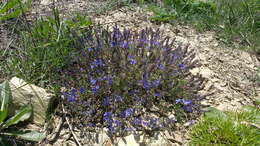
231,73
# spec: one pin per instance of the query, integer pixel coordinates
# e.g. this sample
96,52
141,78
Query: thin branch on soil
70,127
57,131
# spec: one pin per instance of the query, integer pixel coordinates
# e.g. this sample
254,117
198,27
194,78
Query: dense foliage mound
130,81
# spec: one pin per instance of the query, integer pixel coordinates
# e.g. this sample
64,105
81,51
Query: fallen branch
70,127
57,131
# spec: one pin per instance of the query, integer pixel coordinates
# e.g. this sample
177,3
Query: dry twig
70,127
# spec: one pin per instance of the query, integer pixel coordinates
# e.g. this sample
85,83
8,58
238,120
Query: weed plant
130,82
121,80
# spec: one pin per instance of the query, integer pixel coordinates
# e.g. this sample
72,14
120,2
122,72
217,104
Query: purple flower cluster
122,74
187,104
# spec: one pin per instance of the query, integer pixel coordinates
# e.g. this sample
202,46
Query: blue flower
156,43
187,102
91,125
144,40
146,84
90,49
125,45
93,81
82,90
71,95
106,101
118,98
170,121
95,89
73,91
137,121
107,116
117,123
127,113
111,129
153,122
161,67
146,124
178,101
110,81
156,83
96,63
131,60
156,94
188,108
132,92
181,66
113,44
71,98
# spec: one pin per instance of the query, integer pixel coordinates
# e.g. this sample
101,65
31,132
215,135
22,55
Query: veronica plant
121,77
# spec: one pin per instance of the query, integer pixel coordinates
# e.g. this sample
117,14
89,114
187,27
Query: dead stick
70,127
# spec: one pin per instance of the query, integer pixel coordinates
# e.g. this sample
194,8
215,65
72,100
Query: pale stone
46,2
24,93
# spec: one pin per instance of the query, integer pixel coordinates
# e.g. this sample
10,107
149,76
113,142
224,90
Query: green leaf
23,114
10,4
27,135
212,112
5,96
17,6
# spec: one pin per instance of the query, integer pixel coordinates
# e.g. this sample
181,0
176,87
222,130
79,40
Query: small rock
46,2
24,93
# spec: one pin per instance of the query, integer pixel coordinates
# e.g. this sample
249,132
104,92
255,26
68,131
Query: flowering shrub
130,81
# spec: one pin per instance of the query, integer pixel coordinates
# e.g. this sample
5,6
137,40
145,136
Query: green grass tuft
235,21
44,48
229,128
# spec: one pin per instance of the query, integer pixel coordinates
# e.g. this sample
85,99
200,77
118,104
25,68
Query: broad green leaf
27,135
5,96
23,114
212,112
